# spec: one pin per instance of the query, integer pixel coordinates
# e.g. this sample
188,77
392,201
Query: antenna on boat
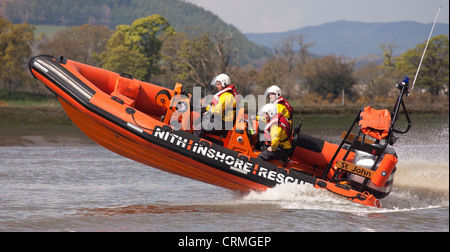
425,50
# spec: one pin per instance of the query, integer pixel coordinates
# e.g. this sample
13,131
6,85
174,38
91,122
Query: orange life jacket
375,123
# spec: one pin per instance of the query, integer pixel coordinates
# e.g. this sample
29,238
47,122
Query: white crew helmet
270,109
223,79
273,89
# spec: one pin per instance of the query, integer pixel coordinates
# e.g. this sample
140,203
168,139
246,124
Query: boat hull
153,155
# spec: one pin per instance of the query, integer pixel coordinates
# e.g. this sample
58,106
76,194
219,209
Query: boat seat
126,89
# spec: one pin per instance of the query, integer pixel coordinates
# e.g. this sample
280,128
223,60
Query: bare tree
227,51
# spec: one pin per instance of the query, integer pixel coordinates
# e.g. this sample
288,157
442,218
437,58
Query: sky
263,16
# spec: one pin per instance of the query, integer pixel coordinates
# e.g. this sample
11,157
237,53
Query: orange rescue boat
136,119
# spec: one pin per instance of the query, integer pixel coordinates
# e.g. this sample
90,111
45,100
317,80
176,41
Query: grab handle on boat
117,99
129,76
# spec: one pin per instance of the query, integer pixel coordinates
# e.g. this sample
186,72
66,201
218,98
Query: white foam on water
418,184
421,181
305,196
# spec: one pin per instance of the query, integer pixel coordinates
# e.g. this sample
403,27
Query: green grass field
49,30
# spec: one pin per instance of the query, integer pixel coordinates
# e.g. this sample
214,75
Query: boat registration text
354,169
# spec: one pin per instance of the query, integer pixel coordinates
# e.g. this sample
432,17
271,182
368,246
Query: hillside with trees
184,17
153,50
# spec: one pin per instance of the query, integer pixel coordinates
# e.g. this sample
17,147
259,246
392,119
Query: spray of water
421,181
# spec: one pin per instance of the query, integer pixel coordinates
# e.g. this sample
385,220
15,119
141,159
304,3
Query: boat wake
418,185
421,181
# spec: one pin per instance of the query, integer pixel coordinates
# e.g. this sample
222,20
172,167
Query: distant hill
356,39
185,17
353,39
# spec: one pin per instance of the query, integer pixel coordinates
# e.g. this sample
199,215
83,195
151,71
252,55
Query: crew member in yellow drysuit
277,133
220,114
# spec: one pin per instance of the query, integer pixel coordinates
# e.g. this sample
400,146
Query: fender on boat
384,170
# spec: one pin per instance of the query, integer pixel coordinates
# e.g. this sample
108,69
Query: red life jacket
283,123
230,89
284,102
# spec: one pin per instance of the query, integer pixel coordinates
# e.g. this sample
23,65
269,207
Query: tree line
183,16
152,50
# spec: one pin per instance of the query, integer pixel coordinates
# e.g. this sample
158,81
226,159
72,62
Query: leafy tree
388,50
142,41
434,73
15,51
122,60
329,75
146,36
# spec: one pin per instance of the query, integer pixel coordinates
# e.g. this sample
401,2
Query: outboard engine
380,185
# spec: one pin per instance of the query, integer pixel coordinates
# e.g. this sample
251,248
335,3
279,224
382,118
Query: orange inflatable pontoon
153,125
